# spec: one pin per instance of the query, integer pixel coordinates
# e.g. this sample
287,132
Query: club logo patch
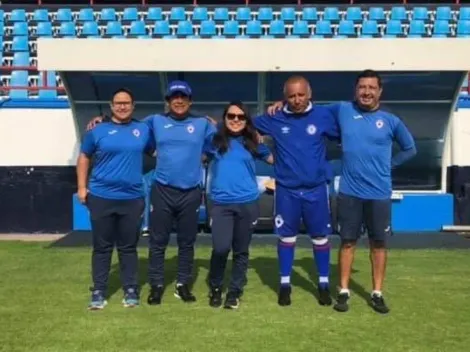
311,129
278,221
190,129
136,132
379,123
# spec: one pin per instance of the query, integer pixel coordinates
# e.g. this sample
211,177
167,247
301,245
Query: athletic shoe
232,301
215,297
131,298
145,232
182,292
155,295
378,304
324,296
342,302
97,301
284,296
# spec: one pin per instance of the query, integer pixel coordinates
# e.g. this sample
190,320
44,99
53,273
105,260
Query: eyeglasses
240,117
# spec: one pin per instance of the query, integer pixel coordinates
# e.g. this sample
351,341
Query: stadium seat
394,28
108,14
441,28
2,31
443,13
288,14
130,14
2,14
86,15
113,29
377,14
161,28
64,15
221,14
309,14
323,28
354,13
21,59
253,28
420,13
398,13
463,28
137,28
184,29
67,29
231,29
346,28
208,29
48,81
331,14
243,14
417,28
19,79
265,14
90,28
19,44
277,28
20,29
300,28
44,29
177,14
369,28
18,15
200,14
41,15
464,14
154,14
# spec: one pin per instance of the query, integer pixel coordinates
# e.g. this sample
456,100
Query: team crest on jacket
379,123
311,129
190,129
136,132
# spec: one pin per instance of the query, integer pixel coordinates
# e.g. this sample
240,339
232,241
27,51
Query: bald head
297,93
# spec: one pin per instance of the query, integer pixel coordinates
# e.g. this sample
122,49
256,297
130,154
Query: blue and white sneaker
131,298
97,300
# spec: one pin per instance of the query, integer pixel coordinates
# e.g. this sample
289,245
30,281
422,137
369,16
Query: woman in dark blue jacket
234,197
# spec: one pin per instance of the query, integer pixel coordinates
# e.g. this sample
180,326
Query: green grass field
44,294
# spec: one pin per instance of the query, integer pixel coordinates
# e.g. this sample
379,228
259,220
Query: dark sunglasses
240,117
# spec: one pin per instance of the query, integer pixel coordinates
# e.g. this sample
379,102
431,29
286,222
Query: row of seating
242,14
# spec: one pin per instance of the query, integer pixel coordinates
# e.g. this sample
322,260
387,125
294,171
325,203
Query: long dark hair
250,138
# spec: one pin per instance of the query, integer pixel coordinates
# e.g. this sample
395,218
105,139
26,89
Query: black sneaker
342,302
155,296
232,301
324,296
284,296
215,297
182,292
378,304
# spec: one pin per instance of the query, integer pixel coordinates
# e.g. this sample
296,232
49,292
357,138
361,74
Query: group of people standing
179,141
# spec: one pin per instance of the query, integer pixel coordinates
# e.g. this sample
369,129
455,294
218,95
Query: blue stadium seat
369,28
288,14
377,14
417,28
184,29
354,13
2,13
420,13
200,14
44,29
398,13
18,15
41,15
243,14
90,28
21,59
309,14
253,28
300,28
441,28
277,28
108,14
161,28
154,14
19,79
20,29
64,15
331,14
67,29
208,29
463,28
177,14
323,28
48,81
346,28
464,14
393,27
130,14
231,28
113,29
137,28
221,14
86,14
265,14
19,44
2,31
443,13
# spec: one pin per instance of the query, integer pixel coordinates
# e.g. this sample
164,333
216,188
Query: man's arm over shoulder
263,124
405,140
332,129
88,145
264,153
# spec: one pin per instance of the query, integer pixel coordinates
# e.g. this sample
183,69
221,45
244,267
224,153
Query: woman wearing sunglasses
234,196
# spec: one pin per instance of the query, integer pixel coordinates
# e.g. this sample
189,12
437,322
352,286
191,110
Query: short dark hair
369,74
123,90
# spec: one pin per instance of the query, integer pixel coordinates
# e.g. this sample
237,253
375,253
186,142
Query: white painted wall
38,137
459,154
